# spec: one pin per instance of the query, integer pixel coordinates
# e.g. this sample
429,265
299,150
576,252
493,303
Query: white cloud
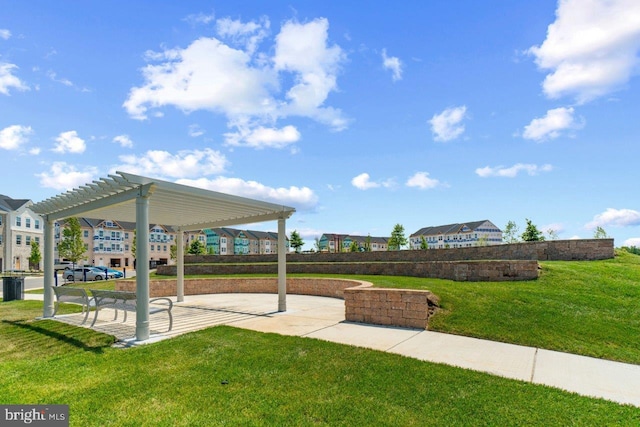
555,227
513,171
35,151
54,77
70,142
634,241
591,48
363,182
261,137
199,18
195,131
552,125
184,164
12,137
447,125
422,181
392,63
5,34
298,197
245,34
8,80
615,218
248,87
63,176
124,141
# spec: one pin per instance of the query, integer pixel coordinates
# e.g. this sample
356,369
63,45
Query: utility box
12,288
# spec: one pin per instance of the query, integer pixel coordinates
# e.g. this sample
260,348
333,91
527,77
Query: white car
92,273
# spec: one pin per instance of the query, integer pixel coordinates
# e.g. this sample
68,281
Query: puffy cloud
63,176
552,125
513,171
422,181
35,151
634,241
8,80
615,218
363,182
124,141
244,85
12,137
70,142
184,164
591,48
448,124
299,197
392,63
261,137
5,34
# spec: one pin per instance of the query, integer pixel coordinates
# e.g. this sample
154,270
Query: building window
27,222
151,247
37,240
126,235
37,224
18,239
18,221
0,239
164,248
126,248
27,240
0,219
86,233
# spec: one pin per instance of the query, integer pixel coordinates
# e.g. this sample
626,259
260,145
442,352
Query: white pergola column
142,265
180,264
48,267
282,265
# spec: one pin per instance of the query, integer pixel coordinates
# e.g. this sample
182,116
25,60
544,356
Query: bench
126,301
72,295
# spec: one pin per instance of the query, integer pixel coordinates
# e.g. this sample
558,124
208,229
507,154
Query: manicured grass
230,376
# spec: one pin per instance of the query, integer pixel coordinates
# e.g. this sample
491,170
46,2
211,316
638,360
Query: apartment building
331,242
459,235
231,241
19,226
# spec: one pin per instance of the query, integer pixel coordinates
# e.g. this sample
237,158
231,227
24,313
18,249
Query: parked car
92,273
111,272
62,265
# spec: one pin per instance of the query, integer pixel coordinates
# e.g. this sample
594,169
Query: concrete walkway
323,318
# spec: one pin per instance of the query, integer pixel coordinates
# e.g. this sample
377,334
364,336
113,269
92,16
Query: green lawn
228,376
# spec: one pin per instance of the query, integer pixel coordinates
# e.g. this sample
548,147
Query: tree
173,252
316,244
354,247
133,245
295,241
397,239
600,233
367,243
423,243
35,257
196,248
531,233
552,234
510,234
72,247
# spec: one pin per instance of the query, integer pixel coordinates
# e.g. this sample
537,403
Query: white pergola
127,197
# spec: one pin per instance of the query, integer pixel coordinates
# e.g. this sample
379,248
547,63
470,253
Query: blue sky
360,115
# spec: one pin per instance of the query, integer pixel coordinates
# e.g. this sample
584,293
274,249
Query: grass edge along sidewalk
224,375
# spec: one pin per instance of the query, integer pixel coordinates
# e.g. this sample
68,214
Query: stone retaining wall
363,302
552,250
454,270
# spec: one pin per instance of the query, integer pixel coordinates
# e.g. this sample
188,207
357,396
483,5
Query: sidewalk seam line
403,341
533,369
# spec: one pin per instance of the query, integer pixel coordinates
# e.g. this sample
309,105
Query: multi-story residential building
231,241
459,235
19,226
342,243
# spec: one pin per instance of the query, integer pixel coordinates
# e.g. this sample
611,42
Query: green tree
133,245
510,233
423,243
295,241
397,239
354,247
531,233
599,233
72,247
367,243
173,252
196,248
35,257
